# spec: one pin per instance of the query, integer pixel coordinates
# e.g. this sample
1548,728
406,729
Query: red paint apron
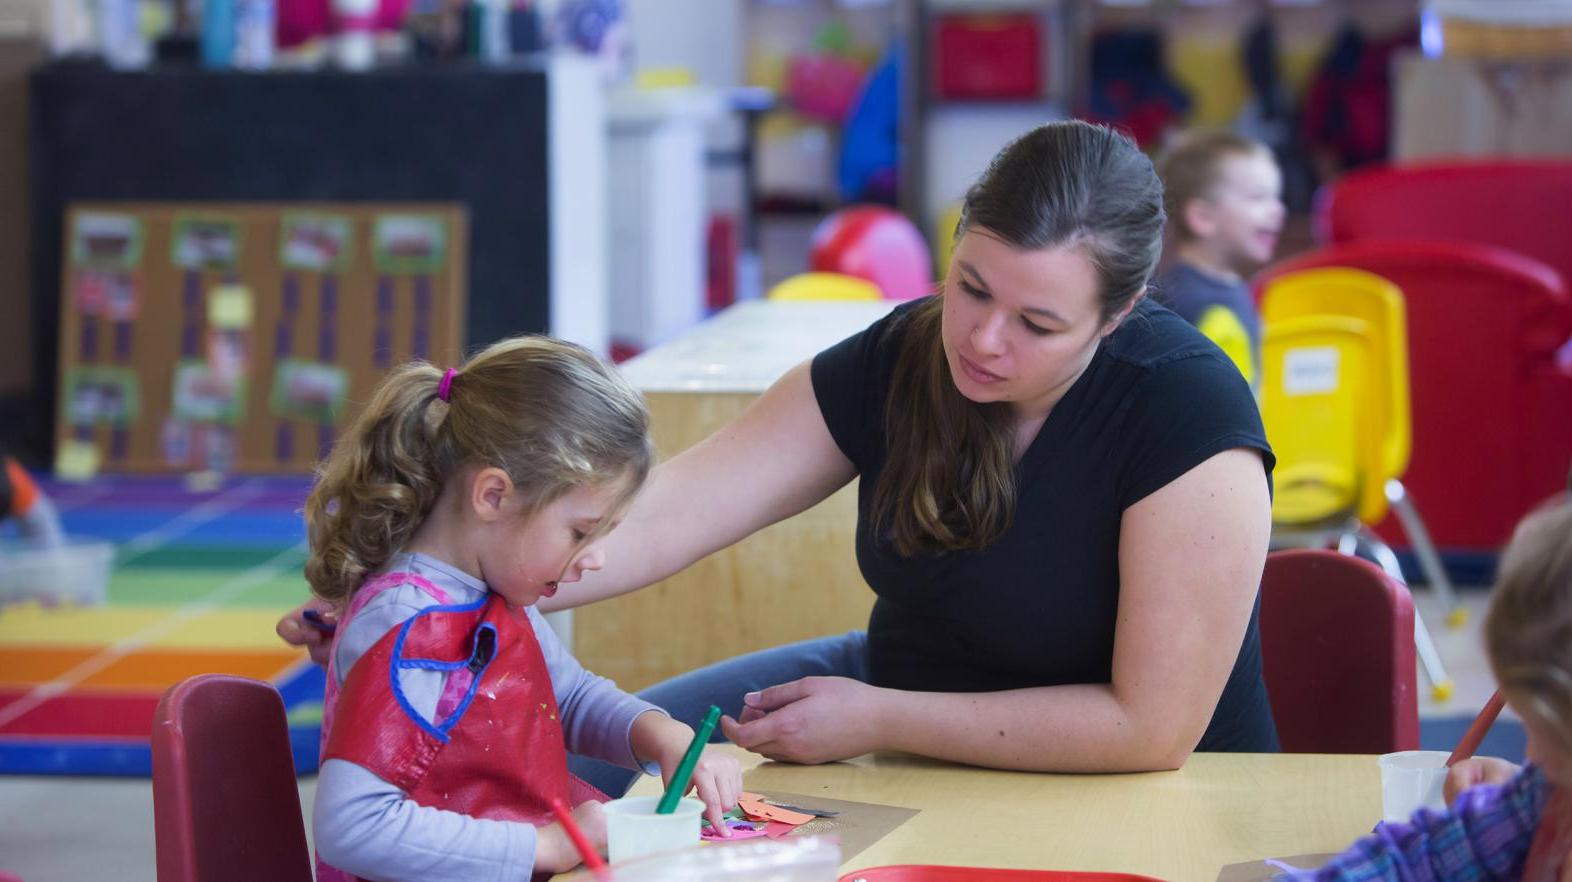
496,748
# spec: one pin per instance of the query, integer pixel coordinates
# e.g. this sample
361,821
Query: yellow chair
1326,416
825,286
944,239
1316,411
1379,303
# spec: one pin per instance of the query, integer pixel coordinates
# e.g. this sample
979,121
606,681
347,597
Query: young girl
456,501
1520,829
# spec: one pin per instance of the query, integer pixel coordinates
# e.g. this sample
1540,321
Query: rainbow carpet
200,579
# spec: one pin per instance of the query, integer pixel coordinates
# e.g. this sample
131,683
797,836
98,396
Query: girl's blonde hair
549,413
1528,631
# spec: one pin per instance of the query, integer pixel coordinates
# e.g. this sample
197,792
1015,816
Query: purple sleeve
1485,835
597,717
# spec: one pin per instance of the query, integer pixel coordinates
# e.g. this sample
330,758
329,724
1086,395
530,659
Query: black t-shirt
1038,607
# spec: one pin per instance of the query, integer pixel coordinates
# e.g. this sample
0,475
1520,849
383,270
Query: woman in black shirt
1064,506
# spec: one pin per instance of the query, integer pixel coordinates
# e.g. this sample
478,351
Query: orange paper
758,810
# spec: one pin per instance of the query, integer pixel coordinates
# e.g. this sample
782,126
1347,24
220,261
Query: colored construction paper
857,825
1258,871
740,830
759,810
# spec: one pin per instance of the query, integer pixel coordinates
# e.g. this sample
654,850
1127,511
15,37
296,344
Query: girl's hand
716,777
812,720
554,850
1475,771
296,631
717,782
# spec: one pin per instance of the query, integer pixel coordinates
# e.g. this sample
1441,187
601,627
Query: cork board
238,337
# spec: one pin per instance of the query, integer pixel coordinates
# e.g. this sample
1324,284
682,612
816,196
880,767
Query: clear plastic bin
76,572
792,859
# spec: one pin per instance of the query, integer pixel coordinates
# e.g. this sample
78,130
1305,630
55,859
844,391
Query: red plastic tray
930,873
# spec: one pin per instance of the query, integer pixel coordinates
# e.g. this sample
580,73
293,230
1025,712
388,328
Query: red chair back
1516,205
225,802
1337,651
1491,406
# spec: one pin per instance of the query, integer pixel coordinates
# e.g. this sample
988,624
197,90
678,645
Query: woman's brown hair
549,413
949,481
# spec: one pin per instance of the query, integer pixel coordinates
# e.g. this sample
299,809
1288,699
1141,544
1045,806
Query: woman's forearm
1080,728
775,460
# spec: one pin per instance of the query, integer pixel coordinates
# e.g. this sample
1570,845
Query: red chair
1491,402
225,802
1337,652
1515,205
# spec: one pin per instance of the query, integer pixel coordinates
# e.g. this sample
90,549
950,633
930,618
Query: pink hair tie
445,388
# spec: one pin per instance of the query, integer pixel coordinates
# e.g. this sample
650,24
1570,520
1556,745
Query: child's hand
718,782
554,850
296,631
1474,771
716,777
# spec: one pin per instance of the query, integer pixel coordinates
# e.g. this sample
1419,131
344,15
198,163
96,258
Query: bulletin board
239,337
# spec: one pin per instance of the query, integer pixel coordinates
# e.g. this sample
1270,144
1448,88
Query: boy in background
1223,195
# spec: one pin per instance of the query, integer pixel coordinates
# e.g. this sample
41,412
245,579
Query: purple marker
315,620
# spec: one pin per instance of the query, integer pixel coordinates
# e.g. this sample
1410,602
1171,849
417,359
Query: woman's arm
773,461
1190,560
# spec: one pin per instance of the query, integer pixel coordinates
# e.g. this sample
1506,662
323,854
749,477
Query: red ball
878,244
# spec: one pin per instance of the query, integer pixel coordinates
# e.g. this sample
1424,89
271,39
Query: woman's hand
812,720
1475,771
296,631
554,850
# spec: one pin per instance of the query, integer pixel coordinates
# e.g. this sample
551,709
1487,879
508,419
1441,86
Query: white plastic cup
634,829
1410,780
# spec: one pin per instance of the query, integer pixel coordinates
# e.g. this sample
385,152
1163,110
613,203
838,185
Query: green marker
679,781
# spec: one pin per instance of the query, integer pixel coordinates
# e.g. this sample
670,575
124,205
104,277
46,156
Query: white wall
23,18
704,36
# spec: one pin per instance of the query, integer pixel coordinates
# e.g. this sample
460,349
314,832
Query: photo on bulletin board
316,242
174,439
410,244
203,395
106,241
112,294
98,394
201,242
309,390
228,353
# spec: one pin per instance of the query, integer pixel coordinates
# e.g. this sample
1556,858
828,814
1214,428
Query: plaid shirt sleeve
1484,836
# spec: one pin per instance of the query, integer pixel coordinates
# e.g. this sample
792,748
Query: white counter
750,345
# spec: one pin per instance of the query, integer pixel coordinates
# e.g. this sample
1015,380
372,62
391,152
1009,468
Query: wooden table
1181,826
795,580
